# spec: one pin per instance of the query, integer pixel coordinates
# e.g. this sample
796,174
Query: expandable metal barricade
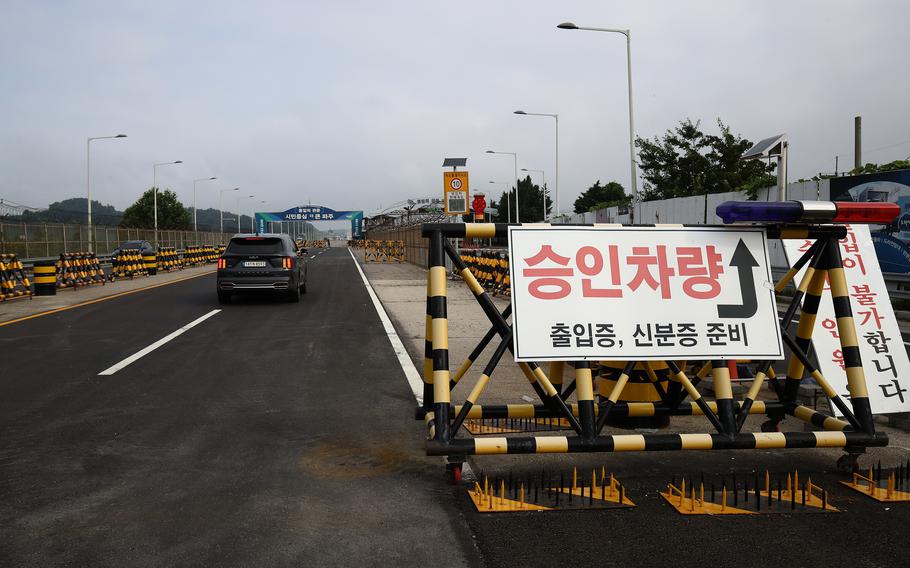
13,281
127,264
586,419
75,269
383,251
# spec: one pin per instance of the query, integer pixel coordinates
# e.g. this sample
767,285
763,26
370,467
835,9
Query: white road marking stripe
410,372
314,256
140,354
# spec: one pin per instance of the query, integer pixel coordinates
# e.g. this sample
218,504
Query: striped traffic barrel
150,263
45,277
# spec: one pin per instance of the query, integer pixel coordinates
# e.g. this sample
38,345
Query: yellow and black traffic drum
639,388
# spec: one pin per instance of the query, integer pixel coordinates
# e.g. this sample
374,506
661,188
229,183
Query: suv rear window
256,245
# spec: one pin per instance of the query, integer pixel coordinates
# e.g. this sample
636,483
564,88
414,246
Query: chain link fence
40,240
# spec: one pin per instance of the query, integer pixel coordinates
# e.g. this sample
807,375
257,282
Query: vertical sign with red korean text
881,347
642,293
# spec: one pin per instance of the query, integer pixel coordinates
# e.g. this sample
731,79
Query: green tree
599,196
878,168
171,213
686,161
530,207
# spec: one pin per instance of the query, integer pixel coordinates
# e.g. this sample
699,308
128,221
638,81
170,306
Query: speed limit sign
455,192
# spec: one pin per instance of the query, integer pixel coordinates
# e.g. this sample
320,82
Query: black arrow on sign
744,263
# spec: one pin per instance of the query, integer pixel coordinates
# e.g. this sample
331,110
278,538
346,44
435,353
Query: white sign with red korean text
881,346
642,293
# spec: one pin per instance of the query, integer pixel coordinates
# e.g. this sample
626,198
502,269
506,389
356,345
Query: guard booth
682,300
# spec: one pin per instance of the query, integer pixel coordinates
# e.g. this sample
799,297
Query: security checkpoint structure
823,222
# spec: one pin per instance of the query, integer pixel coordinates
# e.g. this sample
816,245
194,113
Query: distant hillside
74,210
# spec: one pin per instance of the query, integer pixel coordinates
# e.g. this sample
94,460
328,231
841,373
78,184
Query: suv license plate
254,263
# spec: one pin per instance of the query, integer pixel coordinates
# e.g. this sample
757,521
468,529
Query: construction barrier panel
128,264
320,243
13,281
721,285
45,272
167,259
77,269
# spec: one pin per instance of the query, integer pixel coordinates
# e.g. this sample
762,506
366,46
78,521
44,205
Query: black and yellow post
843,313
584,389
723,396
150,263
45,272
13,281
440,338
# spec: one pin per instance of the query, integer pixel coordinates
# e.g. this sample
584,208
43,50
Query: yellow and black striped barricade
150,263
127,264
675,386
14,283
167,259
77,269
45,273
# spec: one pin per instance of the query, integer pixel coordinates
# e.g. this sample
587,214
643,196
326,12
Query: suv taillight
222,263
287,262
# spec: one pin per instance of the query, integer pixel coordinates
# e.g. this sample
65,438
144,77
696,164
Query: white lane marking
410,372
314,256
140,354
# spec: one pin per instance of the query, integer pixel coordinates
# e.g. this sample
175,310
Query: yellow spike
789,483
574,478
593,480
723,497
795,479
767,482
521,496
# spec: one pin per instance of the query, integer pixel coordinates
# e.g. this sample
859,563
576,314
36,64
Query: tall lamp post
239,216
88,179
515,160
221,208
155,192
252,215
571,26
556,117
543,188
195,181
508,200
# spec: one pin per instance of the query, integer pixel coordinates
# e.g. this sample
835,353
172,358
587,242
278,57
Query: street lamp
88,179
517,201
571,26
221,208
543,188
555,116
239,216
508,200
195,181
252,215
155,192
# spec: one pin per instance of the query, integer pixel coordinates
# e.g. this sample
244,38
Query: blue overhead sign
312,213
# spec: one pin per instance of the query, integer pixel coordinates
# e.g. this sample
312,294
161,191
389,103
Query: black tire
303,288
294,294
224,297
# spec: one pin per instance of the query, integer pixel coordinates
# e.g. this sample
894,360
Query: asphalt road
270,434
276,434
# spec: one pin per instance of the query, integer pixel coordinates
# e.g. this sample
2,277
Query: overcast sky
353,105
